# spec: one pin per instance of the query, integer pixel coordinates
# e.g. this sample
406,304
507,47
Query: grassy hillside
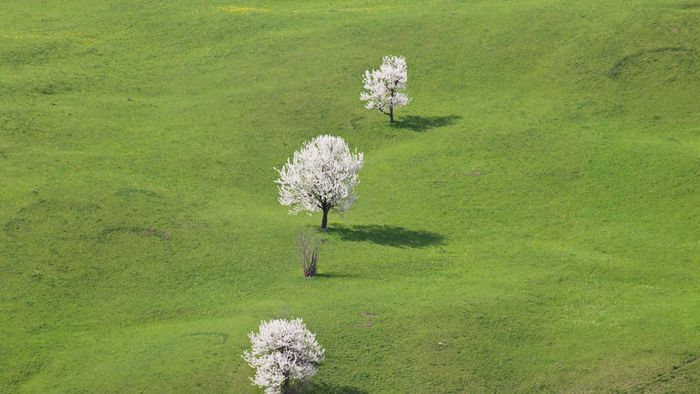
532,223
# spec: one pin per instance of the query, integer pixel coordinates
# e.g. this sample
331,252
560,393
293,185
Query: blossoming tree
384,88
321,176
283,352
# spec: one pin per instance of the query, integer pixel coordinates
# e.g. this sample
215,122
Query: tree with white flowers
283,352
384,88
320,177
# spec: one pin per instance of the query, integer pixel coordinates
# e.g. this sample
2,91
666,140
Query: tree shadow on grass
325,388
399,237
423,123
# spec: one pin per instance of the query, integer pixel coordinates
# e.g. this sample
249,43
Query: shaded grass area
388,235
424,123
530,223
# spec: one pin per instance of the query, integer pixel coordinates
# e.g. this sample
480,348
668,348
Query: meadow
530,223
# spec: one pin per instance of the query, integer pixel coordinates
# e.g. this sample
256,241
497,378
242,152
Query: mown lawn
532,223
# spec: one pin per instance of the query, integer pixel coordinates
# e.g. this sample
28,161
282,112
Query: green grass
531,224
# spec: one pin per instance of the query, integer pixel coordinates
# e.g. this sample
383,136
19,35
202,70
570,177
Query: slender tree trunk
324,221
285,387
391,115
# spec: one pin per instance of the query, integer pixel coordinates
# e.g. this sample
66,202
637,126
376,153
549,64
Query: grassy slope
537,212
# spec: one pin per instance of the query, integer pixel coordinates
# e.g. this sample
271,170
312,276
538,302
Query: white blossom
320,176
283,351
384,88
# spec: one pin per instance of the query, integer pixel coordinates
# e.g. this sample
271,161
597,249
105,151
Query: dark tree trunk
391,115
285,387
324,221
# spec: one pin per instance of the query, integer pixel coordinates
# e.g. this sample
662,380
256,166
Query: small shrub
308,249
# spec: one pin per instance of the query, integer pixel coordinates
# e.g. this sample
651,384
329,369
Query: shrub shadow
423,123
386,235
335,275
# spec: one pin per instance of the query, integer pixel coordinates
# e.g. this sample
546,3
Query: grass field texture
531,223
